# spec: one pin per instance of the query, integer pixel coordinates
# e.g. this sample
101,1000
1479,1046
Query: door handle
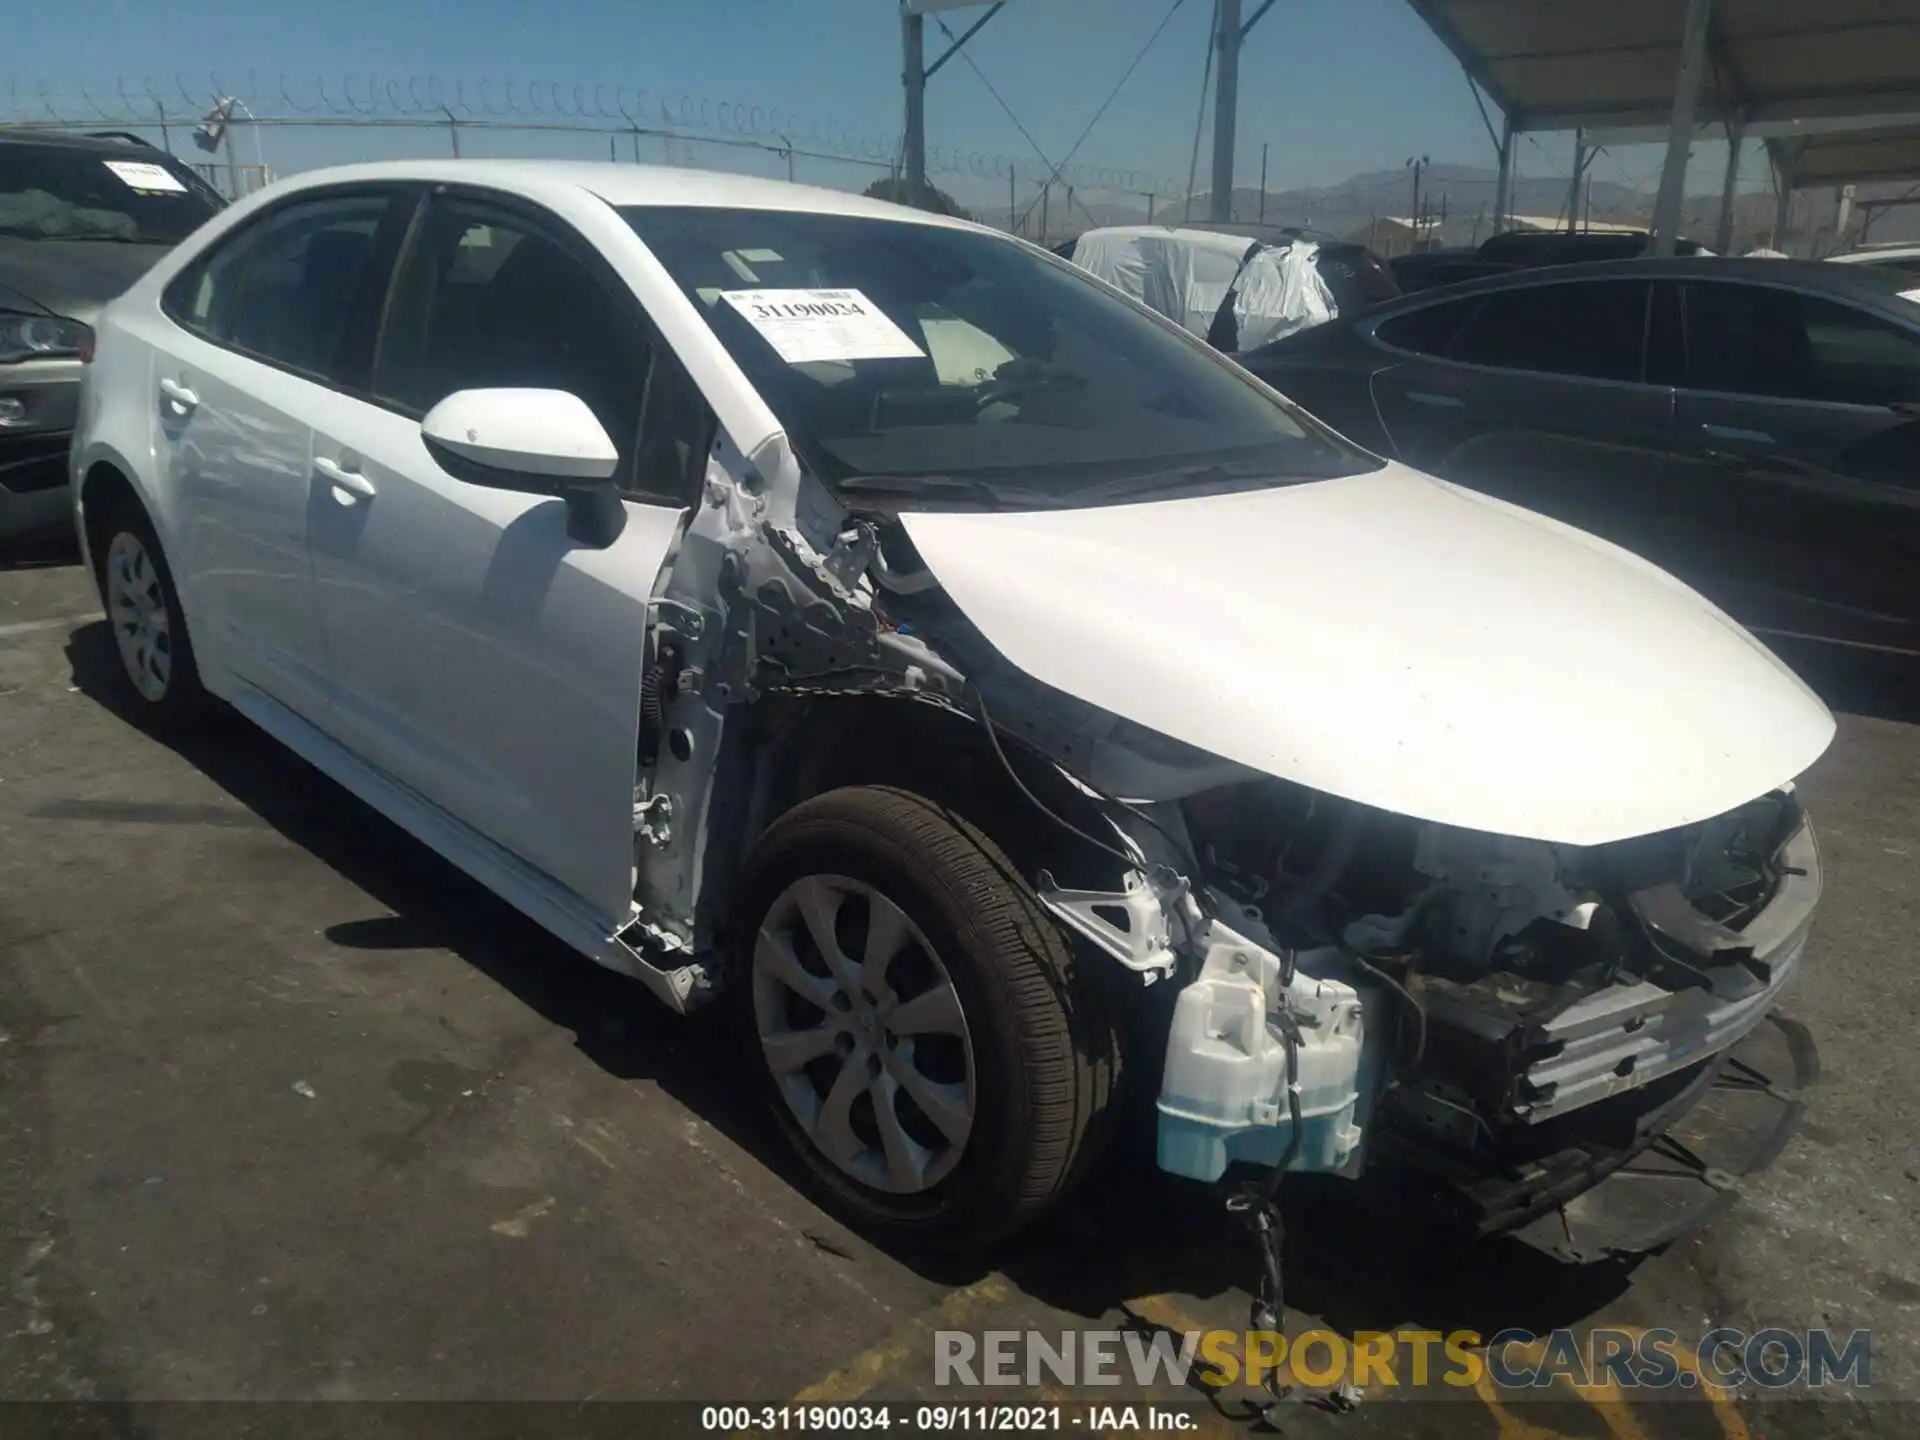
179,395
1738,435
1430,397
341,478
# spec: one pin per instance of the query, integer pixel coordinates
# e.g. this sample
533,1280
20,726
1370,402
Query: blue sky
1333,87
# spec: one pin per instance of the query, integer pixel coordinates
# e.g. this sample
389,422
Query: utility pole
1228,36
1013,199
1573,187
913,77
1416,166
1226,109
1046,194
1263,184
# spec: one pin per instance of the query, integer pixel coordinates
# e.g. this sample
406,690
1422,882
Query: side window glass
1429,330
1746,340
201,298
1596,330
485,300
1858,358
300,281
1755,340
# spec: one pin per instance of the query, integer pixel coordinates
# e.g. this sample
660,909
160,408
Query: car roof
1865,283
104,143
626,184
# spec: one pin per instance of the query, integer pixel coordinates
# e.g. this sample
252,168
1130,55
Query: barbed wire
416,100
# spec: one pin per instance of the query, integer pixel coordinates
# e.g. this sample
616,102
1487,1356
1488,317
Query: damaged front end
1490,1025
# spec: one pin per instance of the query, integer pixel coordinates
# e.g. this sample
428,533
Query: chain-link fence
242,133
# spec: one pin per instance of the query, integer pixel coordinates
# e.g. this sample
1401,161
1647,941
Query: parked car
1893,257
652,545
1234,293
1530,249
1751,425
1357,277
1430,269
1523,250
80,217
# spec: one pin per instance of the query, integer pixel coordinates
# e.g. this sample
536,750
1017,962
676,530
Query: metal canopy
1845,157
1775,67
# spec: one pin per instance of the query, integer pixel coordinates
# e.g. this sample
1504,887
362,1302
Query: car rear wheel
149,631
933,1050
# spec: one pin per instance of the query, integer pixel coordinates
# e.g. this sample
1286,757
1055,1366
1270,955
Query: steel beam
1686,94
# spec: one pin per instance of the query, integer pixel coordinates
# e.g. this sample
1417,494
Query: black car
1523,250
81,217
1752,426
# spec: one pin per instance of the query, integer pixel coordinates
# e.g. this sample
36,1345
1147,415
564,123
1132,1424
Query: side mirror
533,442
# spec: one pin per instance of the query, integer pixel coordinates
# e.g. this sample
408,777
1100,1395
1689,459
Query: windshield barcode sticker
147,178
808,325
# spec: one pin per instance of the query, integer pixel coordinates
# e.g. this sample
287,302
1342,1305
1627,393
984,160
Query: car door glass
1860,359
201,298
1430,330
486,300
1595,329
1760,340
300,284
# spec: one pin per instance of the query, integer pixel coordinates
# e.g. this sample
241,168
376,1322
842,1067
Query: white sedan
875,622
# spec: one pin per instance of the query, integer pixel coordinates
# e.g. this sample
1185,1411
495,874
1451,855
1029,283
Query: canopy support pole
1686,95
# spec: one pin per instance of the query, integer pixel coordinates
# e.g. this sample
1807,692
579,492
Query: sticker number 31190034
809,325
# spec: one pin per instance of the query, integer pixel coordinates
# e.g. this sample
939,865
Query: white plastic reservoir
1223,1097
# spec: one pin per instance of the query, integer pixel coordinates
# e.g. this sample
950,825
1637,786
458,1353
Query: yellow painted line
1611,1406
864,1371
1733,1424
1511,1426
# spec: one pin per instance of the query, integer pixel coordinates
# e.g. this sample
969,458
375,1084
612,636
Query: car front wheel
934,1051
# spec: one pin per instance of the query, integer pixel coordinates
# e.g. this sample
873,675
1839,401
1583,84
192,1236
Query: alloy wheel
864,1033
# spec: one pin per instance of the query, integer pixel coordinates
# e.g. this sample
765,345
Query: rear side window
1594,329
486,298
1429,330
285,289
1758,340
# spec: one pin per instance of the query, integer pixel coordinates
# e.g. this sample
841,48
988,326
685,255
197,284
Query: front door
1800,418
248,350
1537,395
480,656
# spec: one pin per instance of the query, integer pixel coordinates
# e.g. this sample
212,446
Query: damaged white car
878,624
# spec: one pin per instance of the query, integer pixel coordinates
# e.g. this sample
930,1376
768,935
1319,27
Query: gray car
81,218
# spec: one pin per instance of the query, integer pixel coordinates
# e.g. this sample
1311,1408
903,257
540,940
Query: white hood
1397,641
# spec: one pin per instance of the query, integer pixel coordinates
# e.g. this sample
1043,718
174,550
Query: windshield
911,359
74,192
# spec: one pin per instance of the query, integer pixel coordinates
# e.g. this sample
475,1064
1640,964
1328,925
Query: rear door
1800,418
1537,394
255,342
480,655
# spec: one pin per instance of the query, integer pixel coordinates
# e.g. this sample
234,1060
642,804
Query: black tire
1046,1053
181,700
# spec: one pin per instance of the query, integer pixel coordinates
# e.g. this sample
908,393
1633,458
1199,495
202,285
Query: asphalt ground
292,1111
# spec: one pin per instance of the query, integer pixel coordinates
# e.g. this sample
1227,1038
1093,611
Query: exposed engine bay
1356,988
1499,988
